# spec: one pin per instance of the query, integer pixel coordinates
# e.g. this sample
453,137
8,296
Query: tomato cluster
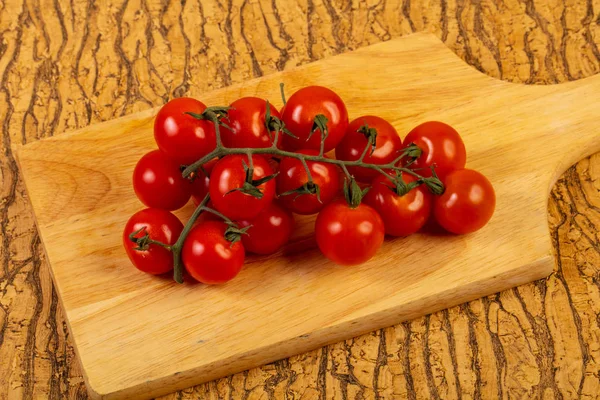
249,167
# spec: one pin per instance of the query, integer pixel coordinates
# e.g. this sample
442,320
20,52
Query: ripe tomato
180,136
402,215
246,118
299,114
158,183
270,230
292,175
388,145
210,258
348,236
467,204
441,146
161,226
229,174
201,182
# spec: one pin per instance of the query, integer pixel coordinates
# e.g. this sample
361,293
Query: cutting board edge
151,388
17,152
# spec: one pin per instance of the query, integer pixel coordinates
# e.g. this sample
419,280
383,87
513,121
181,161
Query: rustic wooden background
65,64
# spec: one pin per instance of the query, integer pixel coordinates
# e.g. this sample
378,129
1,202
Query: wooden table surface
67,64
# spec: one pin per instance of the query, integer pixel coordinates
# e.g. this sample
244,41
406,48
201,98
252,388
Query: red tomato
467,204
402,215
441,146
348,236
161,226
292,175
210,258
228,174
270,230
158,183
388,145
201,182
180,136
200,186
246,118
299,114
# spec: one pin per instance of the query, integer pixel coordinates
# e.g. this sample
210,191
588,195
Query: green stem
218,214
176,248
282,93
220,151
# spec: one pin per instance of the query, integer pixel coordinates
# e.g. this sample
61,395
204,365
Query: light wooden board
140,336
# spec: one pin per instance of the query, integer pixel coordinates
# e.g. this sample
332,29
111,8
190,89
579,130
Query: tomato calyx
143,242
274,124
434,184
413,152
308,188
353,193
251,186
400,187
320,123
214,113
370,134
234,234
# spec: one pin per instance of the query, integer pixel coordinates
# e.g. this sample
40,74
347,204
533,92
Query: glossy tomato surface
269,231
292,175
402,215
299,114
349,236
158,183
442,147
180,136
246,118
208,257
388,145
467,204
161,226
229,174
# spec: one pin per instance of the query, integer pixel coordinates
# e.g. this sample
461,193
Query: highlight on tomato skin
158,183
228,177
292,175
209,257
180,136
159,225
467,204
247,124
349,236
442,148
402,215
269,231
299,114
362,132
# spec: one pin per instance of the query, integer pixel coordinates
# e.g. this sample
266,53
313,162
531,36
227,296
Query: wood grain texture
80,188
75,63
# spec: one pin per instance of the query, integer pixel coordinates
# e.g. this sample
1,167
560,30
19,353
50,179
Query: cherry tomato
292,175
299,114
210,258
158,183
348,236
441,146
201,182
246,118
467,204
180,136
270,230
388,145
161,226
402,215
227,175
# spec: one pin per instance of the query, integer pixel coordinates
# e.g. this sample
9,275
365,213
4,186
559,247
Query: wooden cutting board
140,336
